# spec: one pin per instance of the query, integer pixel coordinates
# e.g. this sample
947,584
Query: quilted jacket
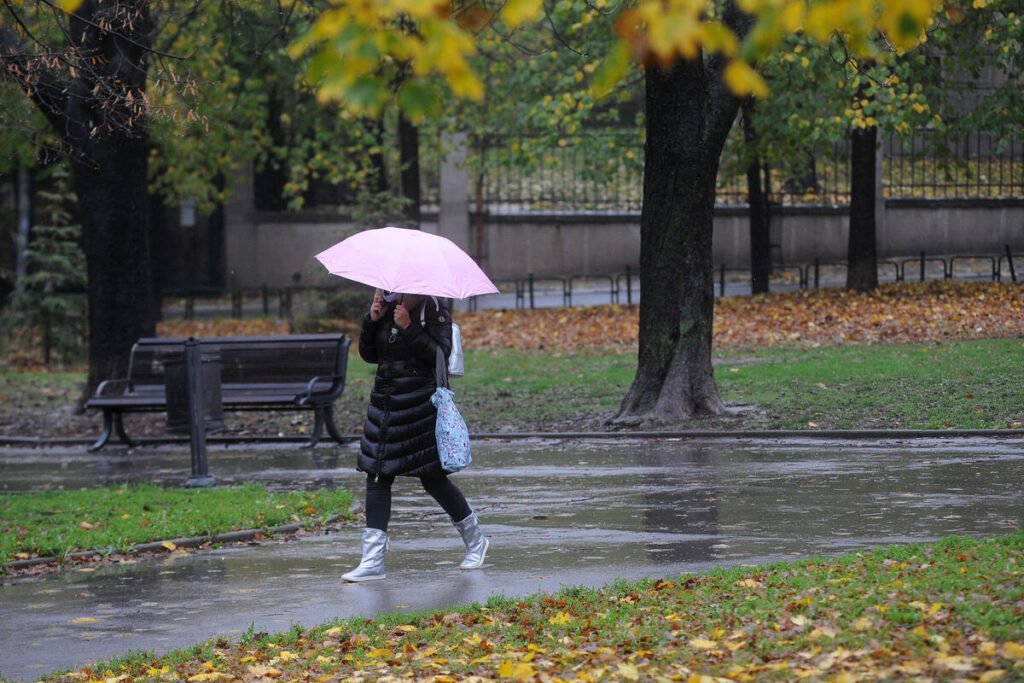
398,435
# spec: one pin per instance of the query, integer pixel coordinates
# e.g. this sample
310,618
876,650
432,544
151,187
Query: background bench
291,372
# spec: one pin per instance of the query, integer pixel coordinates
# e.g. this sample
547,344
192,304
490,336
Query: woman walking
401,334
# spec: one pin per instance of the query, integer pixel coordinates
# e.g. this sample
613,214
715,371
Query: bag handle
441,369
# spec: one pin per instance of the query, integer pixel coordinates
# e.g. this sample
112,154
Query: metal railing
529,174
622,287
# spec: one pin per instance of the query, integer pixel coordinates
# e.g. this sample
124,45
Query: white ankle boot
476,543
371,568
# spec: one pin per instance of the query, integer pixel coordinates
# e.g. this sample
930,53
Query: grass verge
966,384
960,384
55,523
939,612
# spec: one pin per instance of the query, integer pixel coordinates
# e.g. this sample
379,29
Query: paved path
557,513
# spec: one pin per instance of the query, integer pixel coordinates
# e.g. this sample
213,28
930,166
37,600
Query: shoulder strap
423,310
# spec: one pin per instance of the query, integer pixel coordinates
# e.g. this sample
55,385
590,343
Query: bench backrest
286,362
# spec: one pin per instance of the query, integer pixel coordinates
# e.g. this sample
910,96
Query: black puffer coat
398,436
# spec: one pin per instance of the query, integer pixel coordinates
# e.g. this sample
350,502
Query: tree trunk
862,253
689,114
757,198
112,193
409,152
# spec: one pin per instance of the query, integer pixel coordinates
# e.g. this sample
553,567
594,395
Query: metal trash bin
178,387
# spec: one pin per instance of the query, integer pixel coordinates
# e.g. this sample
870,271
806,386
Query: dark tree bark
688,116
97,107
760,218
862,253
409,154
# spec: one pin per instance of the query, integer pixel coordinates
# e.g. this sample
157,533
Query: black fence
602,172
532,292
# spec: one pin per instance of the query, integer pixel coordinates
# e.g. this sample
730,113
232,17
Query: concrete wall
271,248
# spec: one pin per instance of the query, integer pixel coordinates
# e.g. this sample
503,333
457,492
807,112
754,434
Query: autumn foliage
943,612
918,312
902,313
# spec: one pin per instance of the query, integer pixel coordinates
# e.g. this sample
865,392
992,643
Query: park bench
292,372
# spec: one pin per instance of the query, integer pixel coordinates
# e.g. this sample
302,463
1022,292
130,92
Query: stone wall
272,249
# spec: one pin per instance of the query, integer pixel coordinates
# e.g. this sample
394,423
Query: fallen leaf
1012,650
702,644
862,624
517,671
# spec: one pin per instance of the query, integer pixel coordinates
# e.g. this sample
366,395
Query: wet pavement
558,513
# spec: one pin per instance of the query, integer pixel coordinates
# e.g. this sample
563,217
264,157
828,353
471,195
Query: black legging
441,489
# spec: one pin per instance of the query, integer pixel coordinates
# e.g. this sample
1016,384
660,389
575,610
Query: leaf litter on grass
903,313
947,611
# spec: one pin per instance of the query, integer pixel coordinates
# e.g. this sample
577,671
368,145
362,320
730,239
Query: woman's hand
377,307
402,318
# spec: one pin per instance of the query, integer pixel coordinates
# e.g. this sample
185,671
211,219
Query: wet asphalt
558,513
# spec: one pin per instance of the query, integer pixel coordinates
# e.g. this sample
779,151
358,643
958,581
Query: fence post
265,292
629,285
529,283
721,280
817,272
1009,260
922,266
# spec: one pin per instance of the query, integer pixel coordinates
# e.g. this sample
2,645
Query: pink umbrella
407,261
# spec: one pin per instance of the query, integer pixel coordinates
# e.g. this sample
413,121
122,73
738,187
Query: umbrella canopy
408,261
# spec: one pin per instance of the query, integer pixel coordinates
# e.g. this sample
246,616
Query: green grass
55,523
963,384
943,611
956,385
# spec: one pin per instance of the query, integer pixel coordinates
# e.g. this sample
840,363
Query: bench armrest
337,384
113,387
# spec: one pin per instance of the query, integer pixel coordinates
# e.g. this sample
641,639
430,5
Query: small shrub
351,302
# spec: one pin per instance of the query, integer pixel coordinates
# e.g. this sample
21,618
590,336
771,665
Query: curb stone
611,434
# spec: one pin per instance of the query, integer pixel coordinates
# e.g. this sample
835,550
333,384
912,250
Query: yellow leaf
992,676
1012,650
85,620
702,644
170,546
743,80
629,672
862,624
560,618
70,6
518,12
331,632
954,662
748,583
934,609
517,671
799,620
378,653
264,671
211,676
287,656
